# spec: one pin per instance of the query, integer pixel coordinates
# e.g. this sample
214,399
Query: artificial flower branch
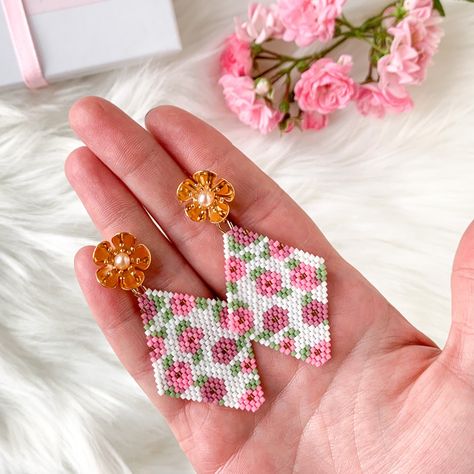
269,89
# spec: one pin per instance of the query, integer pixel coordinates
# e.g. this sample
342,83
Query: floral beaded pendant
277,295
201,349
194,356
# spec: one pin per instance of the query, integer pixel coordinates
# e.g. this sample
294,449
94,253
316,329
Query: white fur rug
393,196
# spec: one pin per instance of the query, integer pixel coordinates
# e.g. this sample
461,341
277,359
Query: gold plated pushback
122,262
206,197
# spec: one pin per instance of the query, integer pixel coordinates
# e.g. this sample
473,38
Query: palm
389,398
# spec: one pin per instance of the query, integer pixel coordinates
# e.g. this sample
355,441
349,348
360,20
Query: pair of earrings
201,349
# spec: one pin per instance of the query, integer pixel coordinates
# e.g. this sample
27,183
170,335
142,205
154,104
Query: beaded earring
201,349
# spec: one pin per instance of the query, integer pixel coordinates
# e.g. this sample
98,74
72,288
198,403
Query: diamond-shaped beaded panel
194,355
277,295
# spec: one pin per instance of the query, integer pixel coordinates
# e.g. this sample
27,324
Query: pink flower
182,305
224,350
275,319
251,400
287,345
268,283
415,41
179,377
420,8
235,269
262,23
243,236
319,354
248,365
326,86
236,58
313,121
371,100
314,313
240,321
278,250
190,340
304,277
224,318
213,390
306,21
241,98
157,348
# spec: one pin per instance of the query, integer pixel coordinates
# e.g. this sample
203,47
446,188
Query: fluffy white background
393,196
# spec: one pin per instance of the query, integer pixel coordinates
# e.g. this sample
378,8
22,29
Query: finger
133,155
263,207
459,350
117,315
113,208
260,204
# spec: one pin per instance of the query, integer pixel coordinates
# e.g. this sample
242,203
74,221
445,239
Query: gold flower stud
121,262
206,197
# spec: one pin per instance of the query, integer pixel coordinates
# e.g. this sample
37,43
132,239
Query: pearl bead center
205,197
122,261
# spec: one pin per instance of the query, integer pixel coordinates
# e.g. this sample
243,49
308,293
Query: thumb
459,350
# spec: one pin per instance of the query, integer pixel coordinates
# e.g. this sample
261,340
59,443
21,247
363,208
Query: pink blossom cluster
266,89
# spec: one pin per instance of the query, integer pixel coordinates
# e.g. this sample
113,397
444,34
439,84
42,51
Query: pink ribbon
23,43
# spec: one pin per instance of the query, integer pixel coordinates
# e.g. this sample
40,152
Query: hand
389,400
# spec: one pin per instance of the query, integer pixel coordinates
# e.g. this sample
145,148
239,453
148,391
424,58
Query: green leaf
284,106
284,292
306,299
216,311
255,48
293,263
235,369
167,361
202,303
162,332
265,334
292,332
303,65
241,342
252,384
200,381
197,357
234,246
439,7
167,315
171,393
159,302
265,252
236,304
321,272
181,326
304,353
231,287
256,272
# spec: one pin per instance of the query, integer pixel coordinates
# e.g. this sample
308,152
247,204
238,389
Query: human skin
389,400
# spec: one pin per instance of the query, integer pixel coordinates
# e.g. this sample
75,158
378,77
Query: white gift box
78,37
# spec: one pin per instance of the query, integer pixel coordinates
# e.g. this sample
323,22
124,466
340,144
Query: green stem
375,47
364,32
270,69
267,51
295,61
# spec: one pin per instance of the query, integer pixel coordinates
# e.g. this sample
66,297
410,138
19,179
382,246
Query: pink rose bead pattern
285,289
196,357
201,349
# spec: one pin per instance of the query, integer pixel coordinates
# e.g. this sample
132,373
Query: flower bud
262,86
